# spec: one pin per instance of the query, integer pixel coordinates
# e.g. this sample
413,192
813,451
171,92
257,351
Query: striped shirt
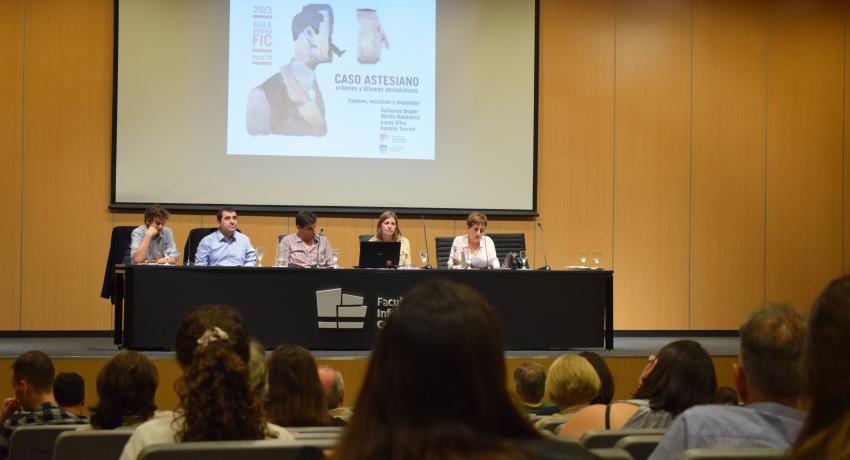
46,414
296,253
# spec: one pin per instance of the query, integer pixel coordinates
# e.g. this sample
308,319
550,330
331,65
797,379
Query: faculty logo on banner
339,311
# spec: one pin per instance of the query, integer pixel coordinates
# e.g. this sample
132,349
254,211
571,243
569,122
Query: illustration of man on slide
290,102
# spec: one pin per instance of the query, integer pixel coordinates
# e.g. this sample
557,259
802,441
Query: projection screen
417,106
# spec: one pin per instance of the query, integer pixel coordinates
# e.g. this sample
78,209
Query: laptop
379,254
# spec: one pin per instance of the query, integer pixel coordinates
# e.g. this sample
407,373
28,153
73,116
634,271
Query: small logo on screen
336,310
383,148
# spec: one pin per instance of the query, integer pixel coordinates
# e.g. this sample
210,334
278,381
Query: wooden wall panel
67,126
11,110
804,148
651,164
576,130
846,145
727,163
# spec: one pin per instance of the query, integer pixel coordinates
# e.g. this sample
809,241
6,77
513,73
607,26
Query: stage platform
102,347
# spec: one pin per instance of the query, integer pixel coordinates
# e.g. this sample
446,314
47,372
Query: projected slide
344,78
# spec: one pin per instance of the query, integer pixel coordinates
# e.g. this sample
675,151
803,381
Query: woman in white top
217,400
388,230
475,249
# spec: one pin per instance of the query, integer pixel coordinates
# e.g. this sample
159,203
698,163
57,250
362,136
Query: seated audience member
571,384
606,379
32,380
296,397
726,396
530,385
259,372
768,379
226,246
389,230
680,376
69,389
125,387
217,402
826,430
432,392
153,242
475,249
334,386
305,248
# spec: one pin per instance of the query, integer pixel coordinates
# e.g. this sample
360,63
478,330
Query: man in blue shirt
768,378
226,247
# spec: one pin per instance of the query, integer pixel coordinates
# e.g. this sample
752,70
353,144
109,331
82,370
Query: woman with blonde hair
388,230
571,384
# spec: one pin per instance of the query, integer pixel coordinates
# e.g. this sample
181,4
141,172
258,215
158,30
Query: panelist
153,242
226,247
388,230
475,249
305,248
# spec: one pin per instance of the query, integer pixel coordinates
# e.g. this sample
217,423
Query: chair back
229,450
330,434
507,242
363,238
639,447
119,253
192,242
444,248
35,442
763,453
91,445
598,439
611,453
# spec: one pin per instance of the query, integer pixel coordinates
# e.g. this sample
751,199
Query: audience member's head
435,387
295,397
681,375
32,378
530,382
726,396
826,432
69,389
571,381
126,387
606,379
257,368
771,355
334,386
216,397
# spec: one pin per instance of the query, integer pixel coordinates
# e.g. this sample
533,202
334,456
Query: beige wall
698,144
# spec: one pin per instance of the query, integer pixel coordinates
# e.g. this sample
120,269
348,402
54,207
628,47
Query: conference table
343,309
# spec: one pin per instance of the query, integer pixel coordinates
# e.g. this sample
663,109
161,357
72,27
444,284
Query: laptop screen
379,254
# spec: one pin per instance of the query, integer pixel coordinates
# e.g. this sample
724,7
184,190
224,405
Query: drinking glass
260,253
335,258
582,258
423,254
523,259
467,257
596,258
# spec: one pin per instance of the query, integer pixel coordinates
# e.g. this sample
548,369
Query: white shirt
486,253
161,430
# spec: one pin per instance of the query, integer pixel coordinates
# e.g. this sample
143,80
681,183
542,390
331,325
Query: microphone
425,231
543,243
319,246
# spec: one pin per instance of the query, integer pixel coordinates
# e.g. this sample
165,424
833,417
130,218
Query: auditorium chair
91,445
444,248
363,238
597,439
192,242
611,453
229,450
35,442
316,433
506,243
764,453
639,447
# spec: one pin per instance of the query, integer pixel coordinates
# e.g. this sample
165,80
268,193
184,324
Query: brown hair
826,431
125,387
36,368
530,382
216,398
772,343
606,379
435,387
683,377
476,217
384,216
154,212
296,396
